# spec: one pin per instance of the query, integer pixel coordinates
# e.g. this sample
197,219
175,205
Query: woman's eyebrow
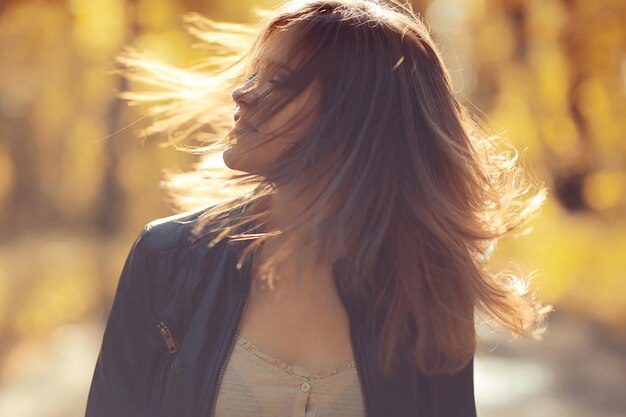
278,64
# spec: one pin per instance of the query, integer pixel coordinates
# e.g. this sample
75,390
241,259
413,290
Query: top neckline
249,346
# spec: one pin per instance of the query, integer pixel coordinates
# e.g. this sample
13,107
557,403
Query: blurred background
77,184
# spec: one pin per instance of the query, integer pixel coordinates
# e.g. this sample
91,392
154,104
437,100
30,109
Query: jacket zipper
164,330
234,340
356,359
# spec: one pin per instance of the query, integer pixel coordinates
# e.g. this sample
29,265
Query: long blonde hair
420,191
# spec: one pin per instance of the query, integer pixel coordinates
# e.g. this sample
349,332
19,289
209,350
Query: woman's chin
233,158
228,157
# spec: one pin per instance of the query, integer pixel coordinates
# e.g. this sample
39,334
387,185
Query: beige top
255,384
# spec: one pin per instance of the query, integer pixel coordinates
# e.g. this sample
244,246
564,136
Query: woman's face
241,153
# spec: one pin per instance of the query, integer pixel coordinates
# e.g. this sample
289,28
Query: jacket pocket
171,347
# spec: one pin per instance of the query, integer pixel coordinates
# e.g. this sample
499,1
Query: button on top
305,387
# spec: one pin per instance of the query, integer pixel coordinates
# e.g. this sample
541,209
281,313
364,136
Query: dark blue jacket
173,325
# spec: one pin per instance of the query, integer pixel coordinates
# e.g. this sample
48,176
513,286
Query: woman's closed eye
274,80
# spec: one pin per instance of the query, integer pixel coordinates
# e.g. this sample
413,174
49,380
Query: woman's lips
239,132
244,126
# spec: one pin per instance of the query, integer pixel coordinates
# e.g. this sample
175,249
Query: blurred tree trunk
25,205
570,183
111,201
111,205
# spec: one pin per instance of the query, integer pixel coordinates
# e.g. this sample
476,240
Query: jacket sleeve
116,388
455,393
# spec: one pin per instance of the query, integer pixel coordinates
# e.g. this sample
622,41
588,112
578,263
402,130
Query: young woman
344,282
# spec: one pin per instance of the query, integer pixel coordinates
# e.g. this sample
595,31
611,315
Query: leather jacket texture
174,321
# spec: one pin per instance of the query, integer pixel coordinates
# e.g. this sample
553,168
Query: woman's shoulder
177,230
187,229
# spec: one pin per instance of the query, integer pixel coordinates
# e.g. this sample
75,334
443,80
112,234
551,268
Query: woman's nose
245,93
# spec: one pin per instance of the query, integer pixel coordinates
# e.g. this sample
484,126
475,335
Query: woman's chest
305,326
